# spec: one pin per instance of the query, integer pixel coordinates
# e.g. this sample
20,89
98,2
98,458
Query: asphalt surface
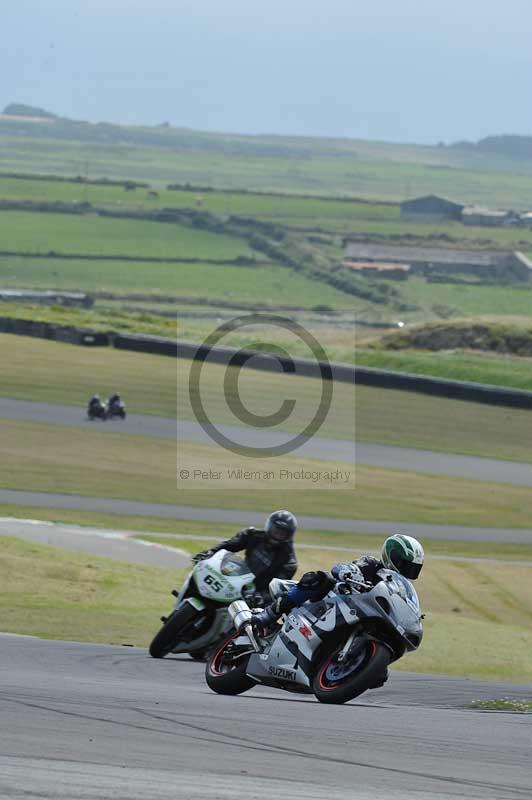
100,722
404,458
111,544
245,518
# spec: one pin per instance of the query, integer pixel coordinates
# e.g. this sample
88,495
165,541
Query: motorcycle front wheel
172,631
225,671
338,682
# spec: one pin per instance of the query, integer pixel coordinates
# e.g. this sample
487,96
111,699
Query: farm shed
380,268
430,208
490,264
475,215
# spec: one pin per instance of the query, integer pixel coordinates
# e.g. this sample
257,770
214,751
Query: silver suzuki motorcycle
335,648
200,618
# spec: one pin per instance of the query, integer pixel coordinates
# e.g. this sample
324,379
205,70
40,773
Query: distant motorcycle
200,618
116,409
97,410
335,648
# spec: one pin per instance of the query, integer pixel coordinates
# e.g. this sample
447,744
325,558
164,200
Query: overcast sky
397,70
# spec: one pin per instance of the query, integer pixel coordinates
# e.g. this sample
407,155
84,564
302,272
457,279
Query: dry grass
35,369
53,458
80,597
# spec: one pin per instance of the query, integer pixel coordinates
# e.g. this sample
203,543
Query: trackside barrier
344,373
58,333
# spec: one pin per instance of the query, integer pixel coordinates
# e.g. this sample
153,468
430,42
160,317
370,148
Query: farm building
380,268
474,215
430,261
430,208
525,220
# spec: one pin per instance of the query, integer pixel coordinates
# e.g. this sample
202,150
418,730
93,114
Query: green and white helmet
403,554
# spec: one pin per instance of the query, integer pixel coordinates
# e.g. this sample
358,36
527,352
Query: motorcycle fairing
220,626
289,659
216,585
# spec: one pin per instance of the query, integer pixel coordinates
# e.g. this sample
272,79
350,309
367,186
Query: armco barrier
146,344
58,333
442,387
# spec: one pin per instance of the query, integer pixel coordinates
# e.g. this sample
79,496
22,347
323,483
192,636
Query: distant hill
22,110
503,145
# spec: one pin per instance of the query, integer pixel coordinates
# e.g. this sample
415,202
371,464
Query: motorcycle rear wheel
224,678
169,635
339,689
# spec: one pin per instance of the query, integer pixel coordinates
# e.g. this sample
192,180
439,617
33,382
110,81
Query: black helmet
280,527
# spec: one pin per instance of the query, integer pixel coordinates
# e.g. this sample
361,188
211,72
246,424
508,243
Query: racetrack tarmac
245,518
111,544
108,723
404,458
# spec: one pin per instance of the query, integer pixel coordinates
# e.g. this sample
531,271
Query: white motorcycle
335,648
200,617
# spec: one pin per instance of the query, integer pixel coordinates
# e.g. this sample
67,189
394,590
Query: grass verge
503,704
80,597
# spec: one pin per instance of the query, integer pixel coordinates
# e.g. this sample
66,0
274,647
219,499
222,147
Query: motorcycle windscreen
233,566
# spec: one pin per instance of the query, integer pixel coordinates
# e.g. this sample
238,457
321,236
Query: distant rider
96,405
115,401
400,553
269,552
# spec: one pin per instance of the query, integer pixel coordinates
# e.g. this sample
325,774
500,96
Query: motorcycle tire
327,690
168,637
232,680
199,655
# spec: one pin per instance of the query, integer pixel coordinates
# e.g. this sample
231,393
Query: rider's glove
348,572
345,575
202,556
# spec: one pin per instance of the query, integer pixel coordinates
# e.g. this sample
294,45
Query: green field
92,235
515,371
304,212
261,284
275,208
447,300
316,166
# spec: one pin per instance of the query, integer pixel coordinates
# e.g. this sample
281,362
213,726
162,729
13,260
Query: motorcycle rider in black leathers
96,407
269,552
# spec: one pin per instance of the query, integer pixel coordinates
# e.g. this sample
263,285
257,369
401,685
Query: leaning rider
269,551
114,400
400,553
